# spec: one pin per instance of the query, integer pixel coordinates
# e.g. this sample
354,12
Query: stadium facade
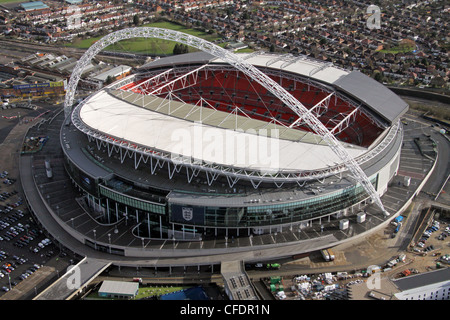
190,148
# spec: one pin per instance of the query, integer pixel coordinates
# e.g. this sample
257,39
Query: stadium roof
376,96
159,130
302,65
216,118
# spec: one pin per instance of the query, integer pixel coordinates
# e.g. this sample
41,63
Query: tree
109,80
176,49
378,76
180,49
136,20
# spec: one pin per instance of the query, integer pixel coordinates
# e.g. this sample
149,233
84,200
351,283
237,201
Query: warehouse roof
36,5
423,279
198,57
113,72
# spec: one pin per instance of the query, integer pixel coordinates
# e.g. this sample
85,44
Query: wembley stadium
190,148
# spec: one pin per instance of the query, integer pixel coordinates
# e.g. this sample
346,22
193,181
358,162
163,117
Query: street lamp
95,238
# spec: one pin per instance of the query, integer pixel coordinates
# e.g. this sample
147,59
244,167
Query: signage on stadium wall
188,214
39,85
31,86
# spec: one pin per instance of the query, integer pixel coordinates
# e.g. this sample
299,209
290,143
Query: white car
421,244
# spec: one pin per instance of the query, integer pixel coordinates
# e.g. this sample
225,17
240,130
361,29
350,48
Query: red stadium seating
223,89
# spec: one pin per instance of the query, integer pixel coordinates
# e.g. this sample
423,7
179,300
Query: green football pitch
147,46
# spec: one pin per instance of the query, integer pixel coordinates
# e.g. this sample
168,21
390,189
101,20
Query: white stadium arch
240,64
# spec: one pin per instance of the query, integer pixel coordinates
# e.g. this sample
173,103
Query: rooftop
423,279
114,72
36,5
74,1
119,287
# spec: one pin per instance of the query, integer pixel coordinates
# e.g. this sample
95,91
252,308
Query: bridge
74,280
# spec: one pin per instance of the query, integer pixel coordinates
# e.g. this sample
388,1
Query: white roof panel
308,67
123,120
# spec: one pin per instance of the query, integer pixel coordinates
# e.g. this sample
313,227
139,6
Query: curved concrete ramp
75,279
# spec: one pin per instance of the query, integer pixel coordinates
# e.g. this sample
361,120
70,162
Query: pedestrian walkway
74,280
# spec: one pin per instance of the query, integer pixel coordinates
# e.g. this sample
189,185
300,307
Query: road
442,169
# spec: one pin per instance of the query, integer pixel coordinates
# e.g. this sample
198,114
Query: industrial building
118,289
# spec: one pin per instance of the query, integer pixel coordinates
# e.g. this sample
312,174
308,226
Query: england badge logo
188,213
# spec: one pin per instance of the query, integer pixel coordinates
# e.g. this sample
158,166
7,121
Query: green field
147,46
11,1
157,291
401,48
143,292
397,50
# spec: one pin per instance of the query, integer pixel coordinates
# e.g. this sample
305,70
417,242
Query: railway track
10,47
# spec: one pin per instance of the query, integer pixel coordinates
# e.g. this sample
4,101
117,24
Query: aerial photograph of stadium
236,151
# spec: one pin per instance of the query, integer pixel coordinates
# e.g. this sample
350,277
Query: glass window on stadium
151,226
286,212
226,217
146,206
306,209
83,180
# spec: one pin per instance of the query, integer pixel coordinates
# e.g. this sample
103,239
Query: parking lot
24,246
432,237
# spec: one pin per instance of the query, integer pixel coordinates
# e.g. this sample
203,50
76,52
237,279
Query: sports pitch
148,46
